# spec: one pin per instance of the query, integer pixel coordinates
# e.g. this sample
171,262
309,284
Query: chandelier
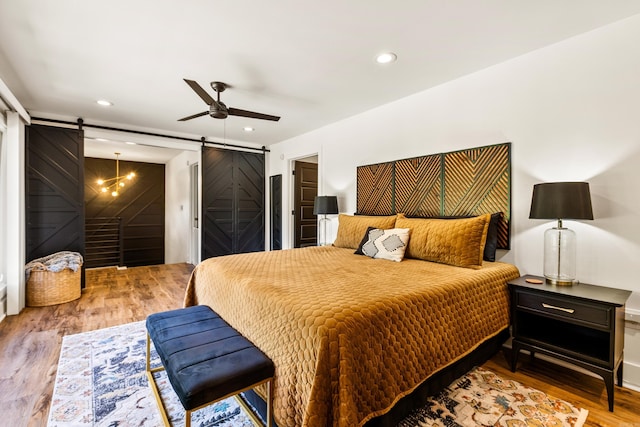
116,184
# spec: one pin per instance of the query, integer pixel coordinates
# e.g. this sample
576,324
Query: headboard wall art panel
460,183
477,181
418,186
375,189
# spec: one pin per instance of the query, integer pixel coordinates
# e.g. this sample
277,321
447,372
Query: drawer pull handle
568,310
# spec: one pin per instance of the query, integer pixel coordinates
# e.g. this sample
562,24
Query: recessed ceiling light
248,129
104,103
385,58
101,140
130,143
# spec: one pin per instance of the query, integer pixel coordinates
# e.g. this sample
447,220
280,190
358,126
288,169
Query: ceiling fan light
386,58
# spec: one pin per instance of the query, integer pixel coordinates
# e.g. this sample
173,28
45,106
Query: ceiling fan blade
251,114
201,92
204,113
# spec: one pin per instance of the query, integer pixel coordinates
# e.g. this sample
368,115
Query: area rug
101,381
482,398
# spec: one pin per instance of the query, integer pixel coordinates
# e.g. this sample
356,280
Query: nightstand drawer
565,308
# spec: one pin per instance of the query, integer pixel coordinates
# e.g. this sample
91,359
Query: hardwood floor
30,342
30,347
583,391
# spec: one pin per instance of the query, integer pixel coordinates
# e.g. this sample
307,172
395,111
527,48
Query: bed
351,335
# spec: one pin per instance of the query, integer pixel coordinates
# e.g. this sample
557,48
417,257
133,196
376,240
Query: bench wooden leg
270,403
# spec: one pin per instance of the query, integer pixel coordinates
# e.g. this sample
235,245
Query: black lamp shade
561,200
325,205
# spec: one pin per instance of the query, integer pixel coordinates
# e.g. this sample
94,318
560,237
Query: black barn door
54,190
232,202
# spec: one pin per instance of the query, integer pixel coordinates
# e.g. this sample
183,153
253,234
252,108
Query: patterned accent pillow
458,242
384,244
351,228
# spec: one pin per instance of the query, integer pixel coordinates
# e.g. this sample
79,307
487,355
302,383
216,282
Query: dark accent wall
141,207
459,183
54,190
232,202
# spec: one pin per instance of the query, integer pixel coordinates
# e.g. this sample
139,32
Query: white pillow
384,244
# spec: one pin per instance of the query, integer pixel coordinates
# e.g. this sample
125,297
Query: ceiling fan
217,108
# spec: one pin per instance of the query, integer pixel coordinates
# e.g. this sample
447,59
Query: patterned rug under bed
101,381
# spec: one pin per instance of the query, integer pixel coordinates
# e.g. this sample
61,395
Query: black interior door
305,192
232,202
54,190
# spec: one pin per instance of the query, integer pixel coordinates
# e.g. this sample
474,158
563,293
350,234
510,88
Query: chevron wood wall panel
461,183
418,185
375,189
476,181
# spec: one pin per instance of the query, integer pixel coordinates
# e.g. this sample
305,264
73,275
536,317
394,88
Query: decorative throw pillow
491,245
352,228
384,244
458,242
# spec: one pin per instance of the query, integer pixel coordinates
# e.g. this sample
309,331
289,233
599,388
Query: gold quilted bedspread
350,335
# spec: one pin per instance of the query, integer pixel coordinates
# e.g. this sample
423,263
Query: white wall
177,207
571,113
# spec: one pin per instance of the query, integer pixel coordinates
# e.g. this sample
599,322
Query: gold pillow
352,228
458,242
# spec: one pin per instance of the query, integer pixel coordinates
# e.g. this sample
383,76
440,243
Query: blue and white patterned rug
101,381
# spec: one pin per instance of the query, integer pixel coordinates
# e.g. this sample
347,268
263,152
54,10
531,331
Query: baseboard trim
631,374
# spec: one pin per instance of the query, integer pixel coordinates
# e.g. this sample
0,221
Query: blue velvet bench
206,359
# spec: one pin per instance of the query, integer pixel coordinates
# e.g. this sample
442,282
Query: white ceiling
312,63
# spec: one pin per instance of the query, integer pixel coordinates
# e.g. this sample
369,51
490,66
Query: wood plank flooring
30,342
30,347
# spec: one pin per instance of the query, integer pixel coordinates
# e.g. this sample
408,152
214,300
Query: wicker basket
50,288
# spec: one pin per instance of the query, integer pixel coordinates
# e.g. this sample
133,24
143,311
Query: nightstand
581,324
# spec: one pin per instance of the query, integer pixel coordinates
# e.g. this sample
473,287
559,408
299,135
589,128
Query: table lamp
324,205
560,200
